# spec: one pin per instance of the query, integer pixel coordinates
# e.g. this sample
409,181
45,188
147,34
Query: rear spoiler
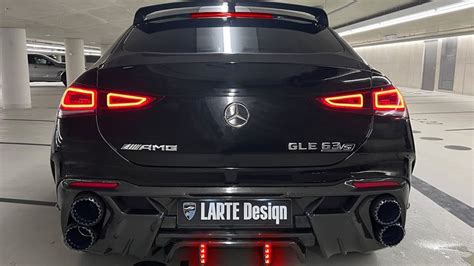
319,15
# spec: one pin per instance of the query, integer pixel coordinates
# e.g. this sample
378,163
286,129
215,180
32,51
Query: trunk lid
285,125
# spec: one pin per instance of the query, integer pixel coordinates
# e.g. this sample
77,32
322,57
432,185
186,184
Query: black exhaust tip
87,210
391,235
386,210
79,237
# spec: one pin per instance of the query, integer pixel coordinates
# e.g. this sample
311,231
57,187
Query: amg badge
149,147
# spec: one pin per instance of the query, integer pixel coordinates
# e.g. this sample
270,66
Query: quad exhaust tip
87,210
391,235
79,237
386,210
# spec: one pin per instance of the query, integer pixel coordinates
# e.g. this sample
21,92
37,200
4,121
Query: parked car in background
45,68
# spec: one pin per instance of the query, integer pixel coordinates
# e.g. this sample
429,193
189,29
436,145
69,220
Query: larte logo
149,147
189,209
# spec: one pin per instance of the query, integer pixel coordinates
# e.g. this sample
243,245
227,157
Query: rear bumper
335,218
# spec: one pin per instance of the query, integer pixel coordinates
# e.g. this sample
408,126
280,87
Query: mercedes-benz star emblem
236,115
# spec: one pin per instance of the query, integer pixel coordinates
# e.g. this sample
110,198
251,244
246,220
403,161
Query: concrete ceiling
450,24
101,22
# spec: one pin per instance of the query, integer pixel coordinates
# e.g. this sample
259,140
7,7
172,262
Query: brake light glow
79,99
351,101
232,15
374,184
97,185
202,253
390,99
267,254
127,101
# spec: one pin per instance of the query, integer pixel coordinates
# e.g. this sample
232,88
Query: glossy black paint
281,92
281,99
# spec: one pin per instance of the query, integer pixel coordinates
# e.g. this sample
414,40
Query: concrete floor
439,225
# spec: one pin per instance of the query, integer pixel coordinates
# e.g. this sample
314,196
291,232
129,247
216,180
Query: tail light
78,100
388,99
232,15
351,101
127,101
381,101
81,100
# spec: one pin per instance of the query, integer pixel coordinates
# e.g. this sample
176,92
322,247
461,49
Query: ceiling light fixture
416,16
49,51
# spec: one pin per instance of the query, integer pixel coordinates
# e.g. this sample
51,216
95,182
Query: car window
92,58
203,37
38,60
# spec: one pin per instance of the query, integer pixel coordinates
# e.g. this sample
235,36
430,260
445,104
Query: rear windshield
237,37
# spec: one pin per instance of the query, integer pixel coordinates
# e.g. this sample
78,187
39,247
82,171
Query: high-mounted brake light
350,101
388,99
232,15
91,184
79,99
127,101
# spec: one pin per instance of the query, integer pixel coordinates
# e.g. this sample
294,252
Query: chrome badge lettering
336,146
311,146
149,147
327,146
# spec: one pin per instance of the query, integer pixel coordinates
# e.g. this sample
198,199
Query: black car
239,125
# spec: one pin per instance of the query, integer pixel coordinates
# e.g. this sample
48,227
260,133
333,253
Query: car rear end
250,125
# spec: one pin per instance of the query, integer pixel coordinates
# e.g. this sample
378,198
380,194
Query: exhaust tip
391,235
79,237
386,211
87,210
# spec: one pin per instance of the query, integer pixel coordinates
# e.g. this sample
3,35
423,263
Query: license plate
234,213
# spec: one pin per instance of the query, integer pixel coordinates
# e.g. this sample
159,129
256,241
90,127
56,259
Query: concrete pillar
75,64
104,48
14,68
1,63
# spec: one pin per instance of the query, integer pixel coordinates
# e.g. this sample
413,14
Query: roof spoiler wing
320,15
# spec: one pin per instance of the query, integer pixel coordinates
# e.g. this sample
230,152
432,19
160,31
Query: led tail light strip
351,101
267,254
202,253
126,101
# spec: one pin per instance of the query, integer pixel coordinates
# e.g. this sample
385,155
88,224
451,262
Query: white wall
402,63
464,72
